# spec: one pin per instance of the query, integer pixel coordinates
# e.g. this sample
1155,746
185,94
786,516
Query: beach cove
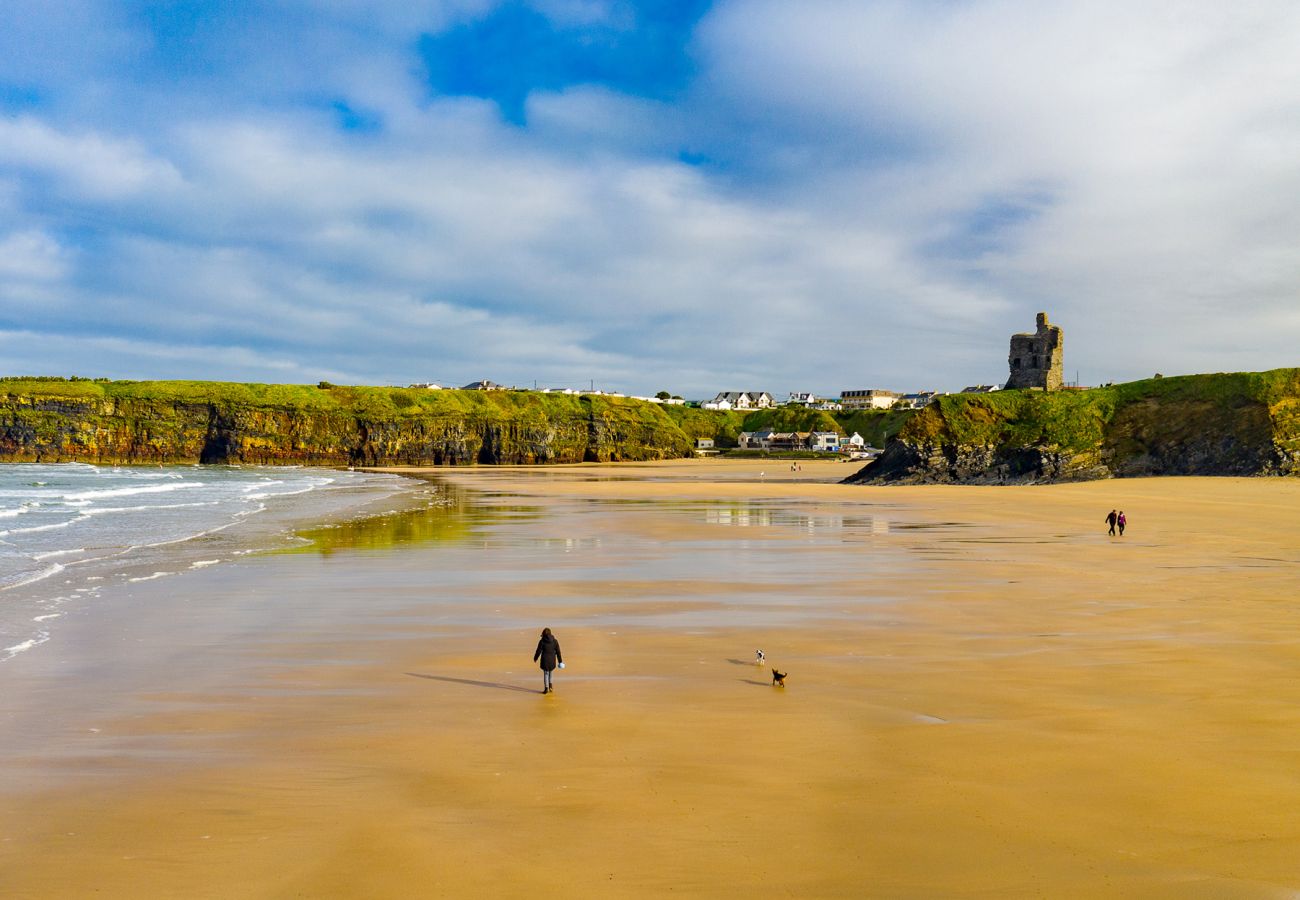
988,697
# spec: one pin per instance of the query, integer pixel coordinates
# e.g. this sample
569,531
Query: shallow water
69,530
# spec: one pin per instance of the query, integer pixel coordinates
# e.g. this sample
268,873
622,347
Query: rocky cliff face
176,423
1236,424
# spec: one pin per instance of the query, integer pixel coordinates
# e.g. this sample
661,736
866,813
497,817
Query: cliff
54,420
1225,424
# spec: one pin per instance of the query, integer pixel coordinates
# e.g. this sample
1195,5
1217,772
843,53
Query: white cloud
886,191
87,165
31,256
1156,132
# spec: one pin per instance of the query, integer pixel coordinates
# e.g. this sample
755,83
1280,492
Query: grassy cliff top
1077,420
385,402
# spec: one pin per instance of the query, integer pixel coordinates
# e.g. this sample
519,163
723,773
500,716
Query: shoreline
85,572
987,696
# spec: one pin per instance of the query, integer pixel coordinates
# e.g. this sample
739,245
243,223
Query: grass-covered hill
51,419
1244,423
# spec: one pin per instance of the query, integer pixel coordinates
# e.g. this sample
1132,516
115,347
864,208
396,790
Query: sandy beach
988,697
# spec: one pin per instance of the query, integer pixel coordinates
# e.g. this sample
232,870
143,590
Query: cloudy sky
681,194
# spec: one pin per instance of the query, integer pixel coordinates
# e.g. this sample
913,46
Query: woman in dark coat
548,651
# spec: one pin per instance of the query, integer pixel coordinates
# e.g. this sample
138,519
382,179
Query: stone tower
1035,359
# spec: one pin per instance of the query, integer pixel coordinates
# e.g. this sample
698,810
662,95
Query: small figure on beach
1111,519
778,678
548,652
759,657
1121,520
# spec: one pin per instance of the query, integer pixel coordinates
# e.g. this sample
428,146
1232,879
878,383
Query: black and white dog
759,657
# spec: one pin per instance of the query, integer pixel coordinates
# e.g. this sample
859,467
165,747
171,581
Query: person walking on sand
1121,521
548,652
1111,520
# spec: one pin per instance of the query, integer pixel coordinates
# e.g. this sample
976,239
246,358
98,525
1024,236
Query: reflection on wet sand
442,513
754,515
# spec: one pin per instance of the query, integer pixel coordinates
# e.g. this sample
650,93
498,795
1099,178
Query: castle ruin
1035,359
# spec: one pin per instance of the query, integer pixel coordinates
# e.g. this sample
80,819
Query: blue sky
697,196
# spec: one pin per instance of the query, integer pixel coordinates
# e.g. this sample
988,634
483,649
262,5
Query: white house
799,398
755,440
917,400
428,386
741,400
824,442
981,388
856,441
868,399
483,386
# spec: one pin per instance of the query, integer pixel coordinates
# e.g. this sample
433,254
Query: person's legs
546,680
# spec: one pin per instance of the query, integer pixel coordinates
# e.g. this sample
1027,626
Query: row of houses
816,441
493,386
861,399
872,398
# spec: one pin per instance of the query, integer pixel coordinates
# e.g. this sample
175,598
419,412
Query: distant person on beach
548,652
1111,520
1121,521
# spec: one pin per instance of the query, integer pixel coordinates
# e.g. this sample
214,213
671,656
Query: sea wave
67,531
107,510
129,491
53,526
34,577
48,553
11,652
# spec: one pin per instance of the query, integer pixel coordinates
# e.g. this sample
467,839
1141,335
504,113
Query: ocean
68,530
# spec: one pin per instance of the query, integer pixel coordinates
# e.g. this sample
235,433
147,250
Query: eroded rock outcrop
1227,424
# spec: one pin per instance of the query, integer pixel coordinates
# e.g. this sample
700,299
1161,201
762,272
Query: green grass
1079,421
280,414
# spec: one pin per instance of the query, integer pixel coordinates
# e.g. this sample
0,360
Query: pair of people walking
548,656
1116,520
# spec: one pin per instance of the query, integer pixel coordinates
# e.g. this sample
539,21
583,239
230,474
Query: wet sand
988,697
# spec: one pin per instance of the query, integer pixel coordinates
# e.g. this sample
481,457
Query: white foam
39,576
35,528
204,563
46,616
130,491
11,652
48,553
150,577
264,495
105,510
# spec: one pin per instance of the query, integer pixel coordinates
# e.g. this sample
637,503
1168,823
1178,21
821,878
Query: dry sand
988,698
